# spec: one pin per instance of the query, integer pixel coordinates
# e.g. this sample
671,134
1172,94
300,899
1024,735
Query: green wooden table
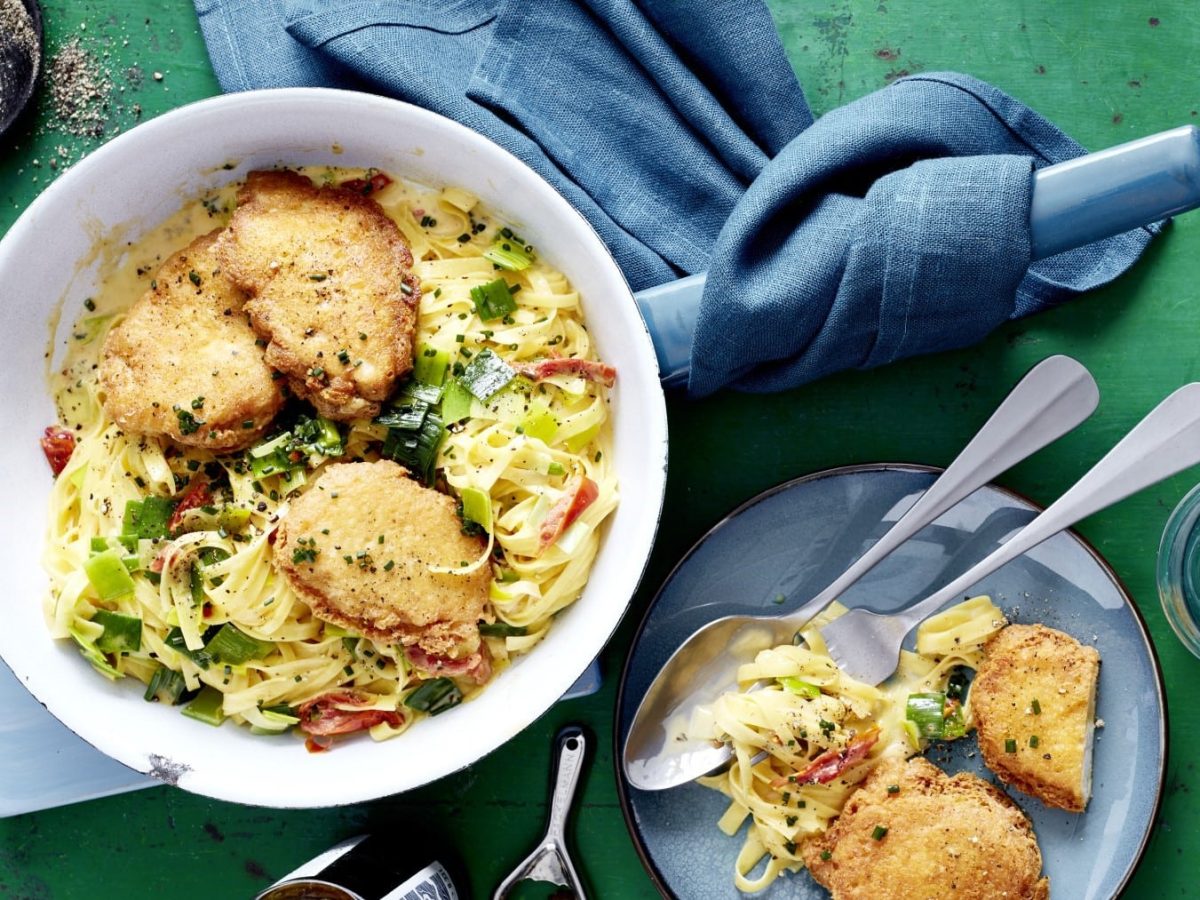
1105,74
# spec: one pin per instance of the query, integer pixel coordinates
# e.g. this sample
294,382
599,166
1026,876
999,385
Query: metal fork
866,645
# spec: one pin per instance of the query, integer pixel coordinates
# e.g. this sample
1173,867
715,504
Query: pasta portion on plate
820,733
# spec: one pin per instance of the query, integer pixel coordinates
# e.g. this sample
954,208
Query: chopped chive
893,789
879,833
194,277
188,424
1037,707
1033,741
826,856
1010,746
304,554
406,289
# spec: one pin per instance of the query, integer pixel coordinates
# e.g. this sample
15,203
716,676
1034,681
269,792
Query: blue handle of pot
670,311
1102,194
1074,203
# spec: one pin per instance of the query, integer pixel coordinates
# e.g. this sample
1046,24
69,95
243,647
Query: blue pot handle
1074,203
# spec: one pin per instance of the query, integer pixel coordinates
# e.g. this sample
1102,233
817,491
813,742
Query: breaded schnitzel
1034,703
184,363
911,832
331,289
357,547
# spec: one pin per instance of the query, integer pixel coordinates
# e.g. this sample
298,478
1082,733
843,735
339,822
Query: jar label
431,883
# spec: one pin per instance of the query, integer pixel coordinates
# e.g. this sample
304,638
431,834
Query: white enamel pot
48,266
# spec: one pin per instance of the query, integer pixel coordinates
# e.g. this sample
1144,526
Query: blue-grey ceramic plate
794,540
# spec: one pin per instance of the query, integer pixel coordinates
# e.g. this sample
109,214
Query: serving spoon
1054,397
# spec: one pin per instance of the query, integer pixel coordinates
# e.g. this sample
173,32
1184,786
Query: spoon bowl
702,669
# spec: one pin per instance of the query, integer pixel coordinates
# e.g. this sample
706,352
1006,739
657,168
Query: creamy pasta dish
332,449
805,736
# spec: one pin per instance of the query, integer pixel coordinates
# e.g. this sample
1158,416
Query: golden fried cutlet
911,832
370,571
184,362
1034,704
331,289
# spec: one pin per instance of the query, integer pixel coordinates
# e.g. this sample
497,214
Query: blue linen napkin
895,225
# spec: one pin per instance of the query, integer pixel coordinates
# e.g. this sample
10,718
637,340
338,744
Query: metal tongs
550,860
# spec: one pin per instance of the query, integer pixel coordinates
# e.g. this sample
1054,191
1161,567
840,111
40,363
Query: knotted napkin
895,225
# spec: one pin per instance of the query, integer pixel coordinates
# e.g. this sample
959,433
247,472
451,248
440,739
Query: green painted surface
1106,73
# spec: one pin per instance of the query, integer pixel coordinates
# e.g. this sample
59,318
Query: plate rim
623,787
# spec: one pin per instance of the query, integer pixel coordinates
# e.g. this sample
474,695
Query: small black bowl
20,57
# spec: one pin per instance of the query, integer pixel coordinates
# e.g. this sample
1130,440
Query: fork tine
864,645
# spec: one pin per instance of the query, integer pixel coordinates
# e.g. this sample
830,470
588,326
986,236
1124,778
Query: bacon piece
581,493
368,186
58,444
322,716
565,365
197,495
477,666
832,763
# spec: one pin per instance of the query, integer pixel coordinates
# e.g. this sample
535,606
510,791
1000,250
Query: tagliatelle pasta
823,733
214,614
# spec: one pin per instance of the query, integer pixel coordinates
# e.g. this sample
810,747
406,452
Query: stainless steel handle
1054,397
571,751
1165,442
